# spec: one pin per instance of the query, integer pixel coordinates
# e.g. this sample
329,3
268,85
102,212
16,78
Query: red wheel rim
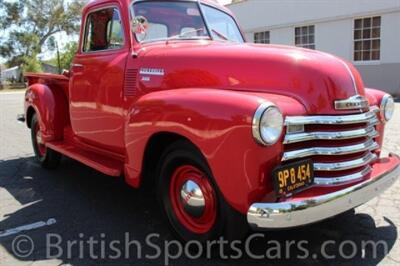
204,222
41,148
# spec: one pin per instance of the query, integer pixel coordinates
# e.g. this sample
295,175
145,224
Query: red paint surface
208,95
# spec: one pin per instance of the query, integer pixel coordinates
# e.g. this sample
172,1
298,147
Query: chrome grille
342,147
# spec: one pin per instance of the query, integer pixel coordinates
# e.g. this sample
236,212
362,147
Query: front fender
219,123
375,97
51,107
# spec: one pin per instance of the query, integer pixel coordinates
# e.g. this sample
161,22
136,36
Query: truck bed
51,80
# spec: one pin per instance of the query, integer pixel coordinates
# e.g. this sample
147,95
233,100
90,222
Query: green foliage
32,22
32,64
66,56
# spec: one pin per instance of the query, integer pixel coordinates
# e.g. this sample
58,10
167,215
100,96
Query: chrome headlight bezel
258,132
387,107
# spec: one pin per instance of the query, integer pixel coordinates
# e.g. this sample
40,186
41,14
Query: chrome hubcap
193,199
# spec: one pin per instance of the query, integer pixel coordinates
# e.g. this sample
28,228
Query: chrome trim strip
354,102
329,181
336,135
368,117
369,145
291,214
341,166
374,108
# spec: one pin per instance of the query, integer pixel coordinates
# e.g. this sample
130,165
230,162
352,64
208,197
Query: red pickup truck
231,135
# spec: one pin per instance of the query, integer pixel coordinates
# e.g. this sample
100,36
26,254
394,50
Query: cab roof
213,3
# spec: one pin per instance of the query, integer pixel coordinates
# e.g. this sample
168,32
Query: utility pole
58,58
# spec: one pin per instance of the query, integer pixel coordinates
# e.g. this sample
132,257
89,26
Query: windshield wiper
220,35
182,35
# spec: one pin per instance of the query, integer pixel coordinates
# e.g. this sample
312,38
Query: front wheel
48,158
190,200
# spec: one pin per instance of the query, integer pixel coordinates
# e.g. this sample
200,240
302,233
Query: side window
103,31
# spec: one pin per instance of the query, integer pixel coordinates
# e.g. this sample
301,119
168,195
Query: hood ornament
354,102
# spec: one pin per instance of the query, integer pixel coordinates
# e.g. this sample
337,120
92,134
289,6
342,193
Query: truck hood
315,79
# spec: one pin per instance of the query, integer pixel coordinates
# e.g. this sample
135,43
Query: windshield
222,25
184,20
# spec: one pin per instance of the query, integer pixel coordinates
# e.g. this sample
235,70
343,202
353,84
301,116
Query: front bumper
293,213
21,118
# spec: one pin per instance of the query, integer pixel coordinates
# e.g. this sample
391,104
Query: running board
94,160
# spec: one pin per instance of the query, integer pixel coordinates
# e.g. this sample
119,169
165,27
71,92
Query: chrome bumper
21,118
292,214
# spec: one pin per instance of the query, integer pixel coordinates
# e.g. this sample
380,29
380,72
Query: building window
367,39
305,37
262,37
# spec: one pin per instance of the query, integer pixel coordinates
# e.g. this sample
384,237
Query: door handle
77,67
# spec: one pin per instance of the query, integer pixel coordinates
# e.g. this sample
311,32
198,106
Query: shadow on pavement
87,204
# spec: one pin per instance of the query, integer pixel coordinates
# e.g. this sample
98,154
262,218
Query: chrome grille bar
342,179
337,132
369,145
337,135
369,117
341,166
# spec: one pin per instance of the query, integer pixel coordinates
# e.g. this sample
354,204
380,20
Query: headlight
387,107
267,124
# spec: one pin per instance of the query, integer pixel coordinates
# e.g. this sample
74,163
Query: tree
31,23
32,64
52,43
66,56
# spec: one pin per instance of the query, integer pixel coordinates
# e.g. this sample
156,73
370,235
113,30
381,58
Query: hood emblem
152,71
354,102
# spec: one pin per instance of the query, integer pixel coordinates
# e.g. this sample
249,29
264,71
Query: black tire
48,159
229,223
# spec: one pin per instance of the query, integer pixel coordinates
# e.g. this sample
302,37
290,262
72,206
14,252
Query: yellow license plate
293,177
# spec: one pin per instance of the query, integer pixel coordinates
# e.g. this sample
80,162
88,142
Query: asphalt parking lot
74,204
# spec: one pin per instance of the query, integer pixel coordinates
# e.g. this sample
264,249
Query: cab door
96,91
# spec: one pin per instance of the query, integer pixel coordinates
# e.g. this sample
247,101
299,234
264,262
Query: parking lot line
27,227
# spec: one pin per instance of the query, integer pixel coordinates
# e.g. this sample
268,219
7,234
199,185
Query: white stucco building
10,74
365,32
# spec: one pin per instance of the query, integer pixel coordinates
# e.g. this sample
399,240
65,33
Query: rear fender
219,124
51,107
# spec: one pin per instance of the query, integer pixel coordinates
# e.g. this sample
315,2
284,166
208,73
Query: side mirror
139,26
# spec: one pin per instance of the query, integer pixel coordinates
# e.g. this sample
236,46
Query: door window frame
83,39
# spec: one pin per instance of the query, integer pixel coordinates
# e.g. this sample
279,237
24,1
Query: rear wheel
190,200
48,158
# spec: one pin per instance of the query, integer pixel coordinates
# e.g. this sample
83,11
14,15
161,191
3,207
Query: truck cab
230,135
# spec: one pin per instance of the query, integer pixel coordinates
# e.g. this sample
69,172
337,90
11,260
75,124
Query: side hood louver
130,84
